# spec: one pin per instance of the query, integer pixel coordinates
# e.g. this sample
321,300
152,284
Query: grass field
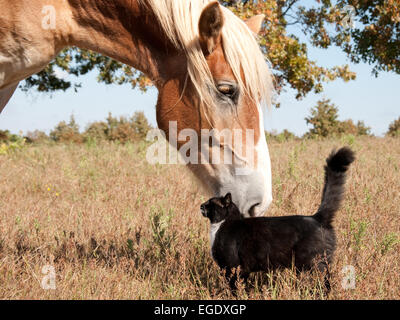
115,227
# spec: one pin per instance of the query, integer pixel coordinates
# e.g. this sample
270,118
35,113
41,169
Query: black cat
261,244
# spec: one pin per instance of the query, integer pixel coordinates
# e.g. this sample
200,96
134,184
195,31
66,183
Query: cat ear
228,199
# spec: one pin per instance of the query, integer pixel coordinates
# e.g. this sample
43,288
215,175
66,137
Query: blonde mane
180,22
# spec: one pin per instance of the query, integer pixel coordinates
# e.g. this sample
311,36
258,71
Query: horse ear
255,23
210,26
228,199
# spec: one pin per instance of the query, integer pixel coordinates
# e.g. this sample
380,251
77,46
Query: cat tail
336,167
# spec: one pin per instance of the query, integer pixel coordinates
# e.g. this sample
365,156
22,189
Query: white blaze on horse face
256,197
263,172
219,166
252,191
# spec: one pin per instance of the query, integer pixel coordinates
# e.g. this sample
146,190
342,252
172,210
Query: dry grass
116,227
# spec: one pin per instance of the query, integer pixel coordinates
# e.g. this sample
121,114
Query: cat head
219,209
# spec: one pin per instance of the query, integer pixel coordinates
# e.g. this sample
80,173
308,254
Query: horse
205,62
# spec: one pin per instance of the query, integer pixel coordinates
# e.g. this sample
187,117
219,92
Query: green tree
394,129
141,124
67,132
7,136
374,40
124,130
362,129
96,131
358,129
324,120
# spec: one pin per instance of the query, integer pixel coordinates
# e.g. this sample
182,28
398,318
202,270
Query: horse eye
228,90
225,89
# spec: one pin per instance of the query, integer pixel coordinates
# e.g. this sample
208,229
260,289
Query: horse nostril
252,210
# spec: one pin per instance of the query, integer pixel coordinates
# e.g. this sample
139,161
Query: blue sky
376,101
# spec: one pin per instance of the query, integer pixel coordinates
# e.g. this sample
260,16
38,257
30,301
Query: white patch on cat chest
213,232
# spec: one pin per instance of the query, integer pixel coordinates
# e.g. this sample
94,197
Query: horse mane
179,20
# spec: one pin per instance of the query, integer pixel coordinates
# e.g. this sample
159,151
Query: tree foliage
325,123
375,40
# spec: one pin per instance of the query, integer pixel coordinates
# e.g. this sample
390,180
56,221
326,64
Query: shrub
120,130
96,131
6,136
359,129
67,132
394,129
125,130
13,142
36,136
284,136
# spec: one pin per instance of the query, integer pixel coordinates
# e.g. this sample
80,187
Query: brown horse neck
123,30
